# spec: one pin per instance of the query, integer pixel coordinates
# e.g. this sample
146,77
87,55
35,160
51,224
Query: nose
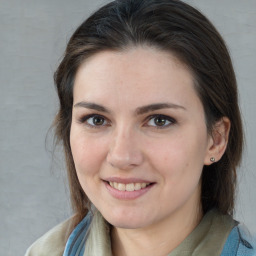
124,151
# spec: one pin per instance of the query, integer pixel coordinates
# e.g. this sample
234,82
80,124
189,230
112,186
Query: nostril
124,158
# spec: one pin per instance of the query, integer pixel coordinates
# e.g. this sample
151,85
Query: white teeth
121,186
137,186
128,187
143,185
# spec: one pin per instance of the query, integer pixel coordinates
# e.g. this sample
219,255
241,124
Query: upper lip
127,180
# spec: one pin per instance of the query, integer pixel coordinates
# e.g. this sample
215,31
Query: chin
127,221
126,224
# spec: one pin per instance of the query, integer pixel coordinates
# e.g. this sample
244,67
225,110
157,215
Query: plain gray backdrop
33,36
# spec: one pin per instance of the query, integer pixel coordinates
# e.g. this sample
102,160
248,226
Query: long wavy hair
172,26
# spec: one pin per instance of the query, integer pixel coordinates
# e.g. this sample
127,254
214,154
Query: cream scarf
208,238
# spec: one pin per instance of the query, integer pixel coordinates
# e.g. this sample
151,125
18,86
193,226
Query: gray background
33,35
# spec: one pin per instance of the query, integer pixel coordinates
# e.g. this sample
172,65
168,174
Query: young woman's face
138,136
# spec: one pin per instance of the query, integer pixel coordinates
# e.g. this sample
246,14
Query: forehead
145,74
145,59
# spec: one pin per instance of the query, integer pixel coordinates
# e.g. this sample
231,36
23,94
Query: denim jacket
239,243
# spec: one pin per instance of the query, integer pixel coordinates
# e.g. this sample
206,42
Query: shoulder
240,242
247,242
52,243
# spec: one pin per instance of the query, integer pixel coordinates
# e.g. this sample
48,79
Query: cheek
88,155
88,158
179,158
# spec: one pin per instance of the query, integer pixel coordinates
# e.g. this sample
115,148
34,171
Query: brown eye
160,121
98,120
94,120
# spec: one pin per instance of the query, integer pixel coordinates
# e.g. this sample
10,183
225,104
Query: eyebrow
157,106
93,106
139,111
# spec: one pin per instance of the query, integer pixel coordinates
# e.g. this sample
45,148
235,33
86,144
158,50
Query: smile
128,187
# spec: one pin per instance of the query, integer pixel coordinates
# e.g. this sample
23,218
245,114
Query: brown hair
175,27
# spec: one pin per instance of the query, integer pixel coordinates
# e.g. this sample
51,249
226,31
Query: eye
160,121
94,120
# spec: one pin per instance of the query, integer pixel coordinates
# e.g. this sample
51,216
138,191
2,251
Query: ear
218,141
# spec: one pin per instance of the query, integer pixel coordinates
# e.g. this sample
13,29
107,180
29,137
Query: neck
158,239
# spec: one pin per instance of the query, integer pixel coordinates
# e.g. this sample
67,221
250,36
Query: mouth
128,187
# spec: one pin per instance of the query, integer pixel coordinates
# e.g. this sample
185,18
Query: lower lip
127,195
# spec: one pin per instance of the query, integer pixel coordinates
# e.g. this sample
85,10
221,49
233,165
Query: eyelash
172,121
165,118
84,120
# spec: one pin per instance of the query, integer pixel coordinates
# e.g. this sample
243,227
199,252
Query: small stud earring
212,159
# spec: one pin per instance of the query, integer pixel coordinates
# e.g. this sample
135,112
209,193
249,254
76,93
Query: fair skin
137,121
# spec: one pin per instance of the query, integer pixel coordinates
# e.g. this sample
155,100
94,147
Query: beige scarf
208,238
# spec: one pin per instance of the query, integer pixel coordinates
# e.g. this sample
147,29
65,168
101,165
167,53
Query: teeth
143,185
137,186
128,187
121,186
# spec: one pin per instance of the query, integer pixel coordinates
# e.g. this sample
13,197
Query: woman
151,129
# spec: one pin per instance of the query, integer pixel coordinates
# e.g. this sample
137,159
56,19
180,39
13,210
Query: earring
212,159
